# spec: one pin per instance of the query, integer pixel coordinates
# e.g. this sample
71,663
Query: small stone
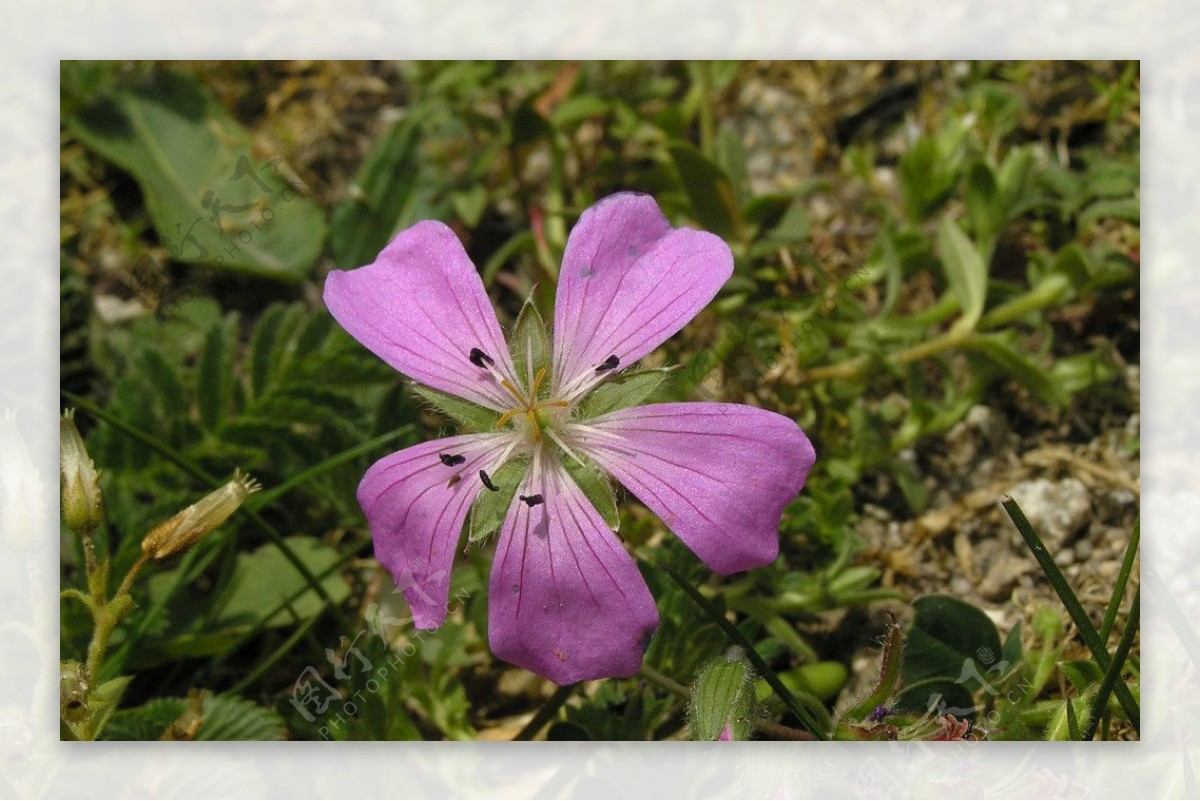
1057,510
1065,557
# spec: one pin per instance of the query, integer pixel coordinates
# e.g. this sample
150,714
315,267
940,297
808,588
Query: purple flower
566,600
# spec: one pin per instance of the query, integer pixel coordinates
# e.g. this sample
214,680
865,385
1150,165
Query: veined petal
416,502
421,307
565,600
718,474
628,283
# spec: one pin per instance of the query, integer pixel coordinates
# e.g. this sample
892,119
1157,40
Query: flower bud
722,700
81,498
72,692
199,519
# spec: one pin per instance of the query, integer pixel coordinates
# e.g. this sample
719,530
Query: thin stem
89,550
665,682
1070,601
548,711
127,583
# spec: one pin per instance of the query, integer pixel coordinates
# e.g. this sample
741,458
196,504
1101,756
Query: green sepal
529,344
472,417
487,515
595,486
623,391
1083,673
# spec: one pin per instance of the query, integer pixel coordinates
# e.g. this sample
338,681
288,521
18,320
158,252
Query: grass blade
1114,603
1113,674
1070,601
548,710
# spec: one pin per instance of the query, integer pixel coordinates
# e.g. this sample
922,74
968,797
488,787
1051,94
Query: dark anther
609,364
479,358
532,500
454,479
450,460
487,482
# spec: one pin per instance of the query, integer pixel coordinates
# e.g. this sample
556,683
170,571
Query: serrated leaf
594,484
262,343
222,718
622,391
209,200
490,508
966,273
709,189
472,418
212,377
950,639
165,383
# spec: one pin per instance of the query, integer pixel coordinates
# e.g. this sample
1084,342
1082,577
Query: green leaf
213,378
263,577
965,272
730,156
939,696
1011,653
928,173
709,189
620,392
595,485
262,345
383,198
221,718
1001,350
723,696
209,199
469,204
261,581
472,418
1128,209
889,674
490,508
165,383
950,639
984,206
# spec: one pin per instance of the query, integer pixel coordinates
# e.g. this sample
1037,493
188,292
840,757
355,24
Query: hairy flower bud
81,499
723,699
199,519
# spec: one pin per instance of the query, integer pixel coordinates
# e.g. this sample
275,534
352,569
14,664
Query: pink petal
421,307
718,474
629,282
416,513
566,601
